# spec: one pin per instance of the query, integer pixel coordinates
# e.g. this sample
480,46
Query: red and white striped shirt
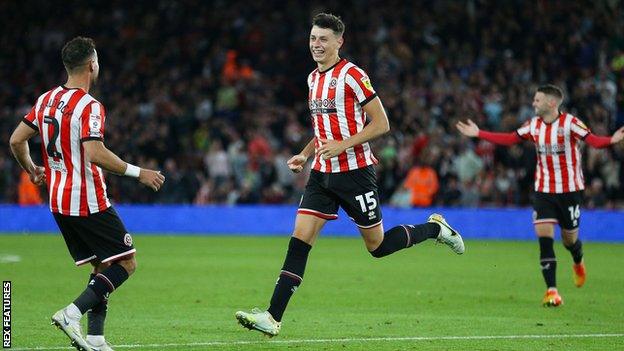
558,156
64,119
335,99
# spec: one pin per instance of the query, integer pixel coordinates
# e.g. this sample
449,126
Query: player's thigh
358,196
545,214
107,236
78,248
307,227
569,210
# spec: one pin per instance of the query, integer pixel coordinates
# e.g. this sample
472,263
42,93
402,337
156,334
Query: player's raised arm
97,153
600,142
617,136
470,129
21,151
378,126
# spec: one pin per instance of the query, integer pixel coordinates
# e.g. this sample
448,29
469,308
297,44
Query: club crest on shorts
128,239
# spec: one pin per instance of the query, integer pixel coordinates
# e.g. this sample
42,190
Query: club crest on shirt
333,83
560,131
366,81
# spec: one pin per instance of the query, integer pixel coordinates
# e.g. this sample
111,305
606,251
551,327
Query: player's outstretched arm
617,136
297,162
470,129
21,151
378,126
98,154
600,142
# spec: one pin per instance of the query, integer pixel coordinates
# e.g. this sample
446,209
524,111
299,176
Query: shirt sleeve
578,129
598,141
360,84
524,132
92,122
506,139
30,118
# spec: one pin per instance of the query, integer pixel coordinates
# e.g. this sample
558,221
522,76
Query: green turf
186,290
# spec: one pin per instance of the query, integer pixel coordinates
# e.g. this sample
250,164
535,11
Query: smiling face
324,45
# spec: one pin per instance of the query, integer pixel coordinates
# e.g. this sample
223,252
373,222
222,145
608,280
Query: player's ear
340,41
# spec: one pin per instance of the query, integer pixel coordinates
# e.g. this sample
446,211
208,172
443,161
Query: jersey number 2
51,148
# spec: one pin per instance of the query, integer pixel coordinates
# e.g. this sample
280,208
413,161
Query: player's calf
404,236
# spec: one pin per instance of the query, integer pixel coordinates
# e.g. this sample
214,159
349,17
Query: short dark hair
552,90
76,52
327,20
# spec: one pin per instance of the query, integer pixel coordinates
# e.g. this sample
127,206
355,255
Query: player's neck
80,82
551,116
326,65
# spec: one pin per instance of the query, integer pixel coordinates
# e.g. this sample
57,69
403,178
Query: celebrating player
558,178
70,123
341,98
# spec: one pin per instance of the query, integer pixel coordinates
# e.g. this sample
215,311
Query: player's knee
128,264
100,267
568,241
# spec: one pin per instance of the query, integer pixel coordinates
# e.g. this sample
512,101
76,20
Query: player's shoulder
86,105
48,94
354,70
571,117
574,120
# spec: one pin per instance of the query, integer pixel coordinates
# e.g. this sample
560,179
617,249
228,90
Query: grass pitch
186,290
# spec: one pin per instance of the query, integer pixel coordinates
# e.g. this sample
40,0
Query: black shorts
355,191
564,209
100,236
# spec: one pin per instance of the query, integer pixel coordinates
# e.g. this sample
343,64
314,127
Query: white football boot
259,320
448,235
98,343
71,327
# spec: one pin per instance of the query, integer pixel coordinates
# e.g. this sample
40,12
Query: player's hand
296,163
617,136
468,129
152,179
38,177
330,148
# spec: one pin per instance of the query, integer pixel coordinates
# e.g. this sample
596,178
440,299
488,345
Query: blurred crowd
214,92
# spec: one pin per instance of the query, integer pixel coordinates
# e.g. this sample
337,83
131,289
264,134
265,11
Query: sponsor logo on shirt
551,149
322,106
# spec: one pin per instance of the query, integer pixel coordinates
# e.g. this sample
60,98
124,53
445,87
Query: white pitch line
342,340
